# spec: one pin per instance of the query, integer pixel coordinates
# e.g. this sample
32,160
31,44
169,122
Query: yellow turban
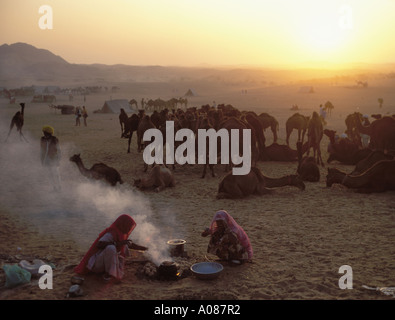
48,129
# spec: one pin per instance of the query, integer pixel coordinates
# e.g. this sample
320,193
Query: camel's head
75,158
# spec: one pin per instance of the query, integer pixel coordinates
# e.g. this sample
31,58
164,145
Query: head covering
366,116
343,135
48,129
120,229
233,226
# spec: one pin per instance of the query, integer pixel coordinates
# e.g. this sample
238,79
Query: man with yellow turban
50,155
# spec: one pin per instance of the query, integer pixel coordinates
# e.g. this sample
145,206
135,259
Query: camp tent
190,93
306,89
115,106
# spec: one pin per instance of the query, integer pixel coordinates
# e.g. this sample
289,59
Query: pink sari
120,230
234,227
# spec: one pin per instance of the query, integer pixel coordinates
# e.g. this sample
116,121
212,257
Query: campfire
177,267
167,270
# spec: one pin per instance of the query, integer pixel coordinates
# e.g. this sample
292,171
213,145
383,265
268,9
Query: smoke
83,208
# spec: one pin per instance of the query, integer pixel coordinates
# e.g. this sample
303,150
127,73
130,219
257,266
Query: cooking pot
168,270
176,247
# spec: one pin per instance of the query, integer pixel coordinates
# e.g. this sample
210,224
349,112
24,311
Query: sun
325,35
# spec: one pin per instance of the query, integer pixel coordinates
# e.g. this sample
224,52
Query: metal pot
168,270
176,247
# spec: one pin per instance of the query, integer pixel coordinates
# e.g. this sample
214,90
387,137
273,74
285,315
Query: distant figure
322,114
50,155
365,138
214,105
84,115
77,116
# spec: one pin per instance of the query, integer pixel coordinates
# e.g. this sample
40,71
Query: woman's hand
206,232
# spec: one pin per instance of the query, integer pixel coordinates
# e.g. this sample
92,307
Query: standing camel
315,133
17,121
269,121
298,122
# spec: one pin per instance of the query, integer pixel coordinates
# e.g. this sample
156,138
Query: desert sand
300,238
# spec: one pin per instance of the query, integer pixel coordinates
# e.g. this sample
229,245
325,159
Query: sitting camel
240,186
344,150
159,178
98,171
307,167
370,160
378,178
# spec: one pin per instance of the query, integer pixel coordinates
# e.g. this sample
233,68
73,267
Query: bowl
207,270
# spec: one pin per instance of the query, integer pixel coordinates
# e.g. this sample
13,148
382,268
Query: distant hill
23,64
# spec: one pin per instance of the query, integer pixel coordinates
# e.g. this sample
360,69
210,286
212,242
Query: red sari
120,230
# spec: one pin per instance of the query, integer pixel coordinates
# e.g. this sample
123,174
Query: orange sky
212,32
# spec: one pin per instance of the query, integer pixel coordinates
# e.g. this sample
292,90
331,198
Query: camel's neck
278,182
84,171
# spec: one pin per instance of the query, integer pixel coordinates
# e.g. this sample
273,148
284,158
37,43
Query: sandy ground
300,238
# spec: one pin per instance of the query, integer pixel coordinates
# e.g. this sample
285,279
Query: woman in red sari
107,253
228,240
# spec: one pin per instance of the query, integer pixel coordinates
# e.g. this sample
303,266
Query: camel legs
211,169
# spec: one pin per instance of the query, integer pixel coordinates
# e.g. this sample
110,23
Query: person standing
84,115
50,156
77,116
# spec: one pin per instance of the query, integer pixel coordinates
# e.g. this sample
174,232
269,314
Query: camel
378,178
240,186
370,160
144,124
328,107
123,118
277,152
307,166
131,125
98,171
254,121
381,132
314,134
17,121
133,102
344,150
298,122
269,121
159,178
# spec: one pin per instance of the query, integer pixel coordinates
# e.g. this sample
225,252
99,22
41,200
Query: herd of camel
374,165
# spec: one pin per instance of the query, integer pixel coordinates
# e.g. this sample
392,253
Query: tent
190,93
306,89
115,106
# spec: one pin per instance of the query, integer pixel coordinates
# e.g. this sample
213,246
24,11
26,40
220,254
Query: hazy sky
213,32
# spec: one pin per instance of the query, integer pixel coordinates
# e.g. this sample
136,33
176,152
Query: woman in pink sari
228,240
107,253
